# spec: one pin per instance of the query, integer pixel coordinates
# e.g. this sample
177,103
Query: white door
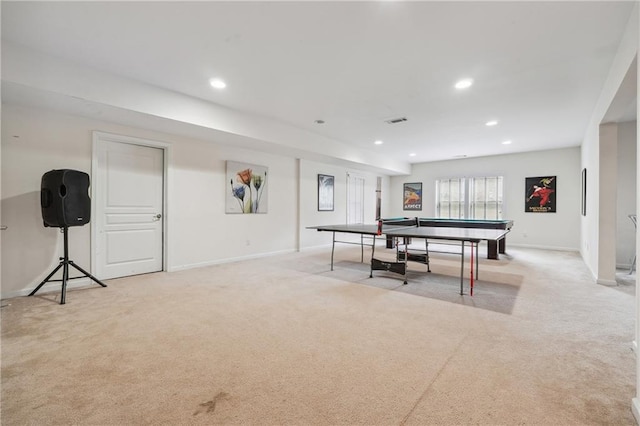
128,209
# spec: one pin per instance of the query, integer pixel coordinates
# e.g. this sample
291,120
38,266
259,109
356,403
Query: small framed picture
584,192
325,192
412,196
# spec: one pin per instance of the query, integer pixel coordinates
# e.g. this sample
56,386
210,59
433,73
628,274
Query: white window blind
469,198
355,199
450,198
486,197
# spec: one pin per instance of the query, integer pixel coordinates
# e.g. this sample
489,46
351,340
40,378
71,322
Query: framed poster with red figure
540,194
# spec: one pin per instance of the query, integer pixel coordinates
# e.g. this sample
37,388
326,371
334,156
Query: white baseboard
85,281
534,246
610,283
49,287
623,266
82,282
315,248
228,260
635,408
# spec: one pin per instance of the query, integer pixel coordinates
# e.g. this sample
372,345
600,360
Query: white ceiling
538,67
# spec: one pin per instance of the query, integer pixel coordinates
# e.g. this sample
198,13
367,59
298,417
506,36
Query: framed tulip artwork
246,188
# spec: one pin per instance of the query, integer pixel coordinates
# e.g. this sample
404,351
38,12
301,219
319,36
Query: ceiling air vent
396,120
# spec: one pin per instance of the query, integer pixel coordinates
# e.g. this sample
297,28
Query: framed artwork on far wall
325,192
540,194
412,196
584,192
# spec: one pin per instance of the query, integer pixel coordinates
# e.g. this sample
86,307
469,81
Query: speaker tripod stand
64,264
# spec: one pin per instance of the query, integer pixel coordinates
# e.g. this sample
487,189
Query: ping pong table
366,231
494,248
407,230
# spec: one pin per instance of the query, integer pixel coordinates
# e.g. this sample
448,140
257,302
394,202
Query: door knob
157,217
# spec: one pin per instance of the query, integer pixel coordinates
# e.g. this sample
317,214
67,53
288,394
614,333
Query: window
355,199
450,196
486,198
469,198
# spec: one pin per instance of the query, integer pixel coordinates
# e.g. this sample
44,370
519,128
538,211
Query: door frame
349,177
100,138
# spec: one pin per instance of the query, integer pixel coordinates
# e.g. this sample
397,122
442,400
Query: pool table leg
495,247
492,250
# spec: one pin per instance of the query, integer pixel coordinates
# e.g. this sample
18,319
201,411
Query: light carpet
285,341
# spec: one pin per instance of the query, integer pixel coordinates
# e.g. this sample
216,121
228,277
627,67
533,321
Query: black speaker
64,198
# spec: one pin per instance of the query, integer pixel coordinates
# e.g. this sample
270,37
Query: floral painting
246,188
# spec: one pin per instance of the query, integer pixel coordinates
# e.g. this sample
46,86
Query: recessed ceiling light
217,83
463,84
491,123
413,154
319,121
506,142
378,142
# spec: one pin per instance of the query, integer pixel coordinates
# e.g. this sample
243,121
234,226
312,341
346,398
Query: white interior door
128,209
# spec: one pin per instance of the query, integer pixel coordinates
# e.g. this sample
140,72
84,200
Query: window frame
467,203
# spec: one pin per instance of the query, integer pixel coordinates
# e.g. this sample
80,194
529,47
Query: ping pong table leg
426,254
462,269
406,258
477,250
471,271
333,248
373,252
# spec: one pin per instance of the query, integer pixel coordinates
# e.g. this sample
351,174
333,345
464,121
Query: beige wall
626,194
309,214
608,154
558,230
591,234
35,141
